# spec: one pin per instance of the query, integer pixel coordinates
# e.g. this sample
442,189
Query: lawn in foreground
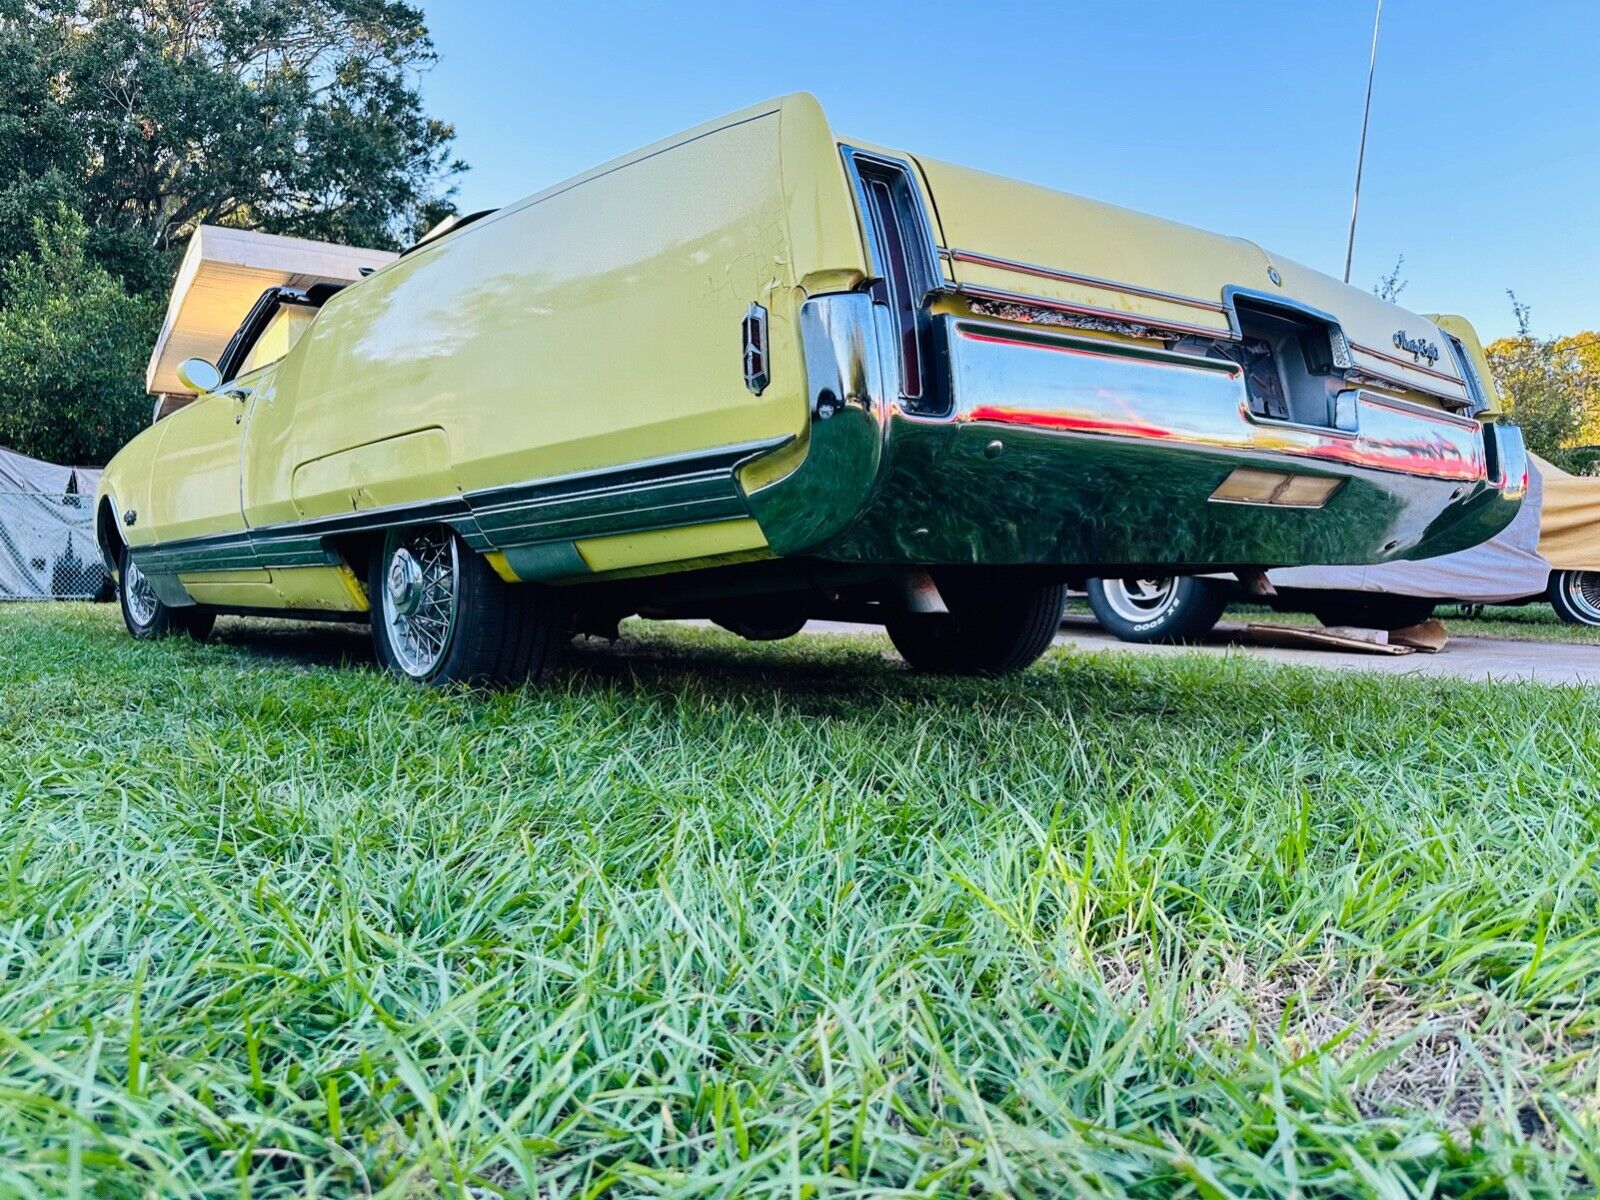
709,918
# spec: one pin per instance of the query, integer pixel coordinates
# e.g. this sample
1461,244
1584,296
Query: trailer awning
222,273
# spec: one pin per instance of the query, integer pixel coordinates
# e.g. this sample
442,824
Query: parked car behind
760,373
1550,553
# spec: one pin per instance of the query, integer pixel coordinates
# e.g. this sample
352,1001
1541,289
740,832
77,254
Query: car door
194,486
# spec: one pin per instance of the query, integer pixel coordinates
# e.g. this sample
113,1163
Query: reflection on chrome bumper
1062,449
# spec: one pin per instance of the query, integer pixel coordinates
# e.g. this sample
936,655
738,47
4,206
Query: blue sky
1483,162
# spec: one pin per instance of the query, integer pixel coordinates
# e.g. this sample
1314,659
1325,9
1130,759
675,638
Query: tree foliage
1551,388
147,118
73,344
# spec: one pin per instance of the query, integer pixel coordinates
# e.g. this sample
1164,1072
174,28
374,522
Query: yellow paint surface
689,543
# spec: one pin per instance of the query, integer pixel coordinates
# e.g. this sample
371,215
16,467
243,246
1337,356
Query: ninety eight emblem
1418,348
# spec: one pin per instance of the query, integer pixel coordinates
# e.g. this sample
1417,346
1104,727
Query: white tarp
1506,567
47,548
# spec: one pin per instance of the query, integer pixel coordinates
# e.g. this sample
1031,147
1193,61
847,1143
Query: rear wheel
988,631
146,617
1371,610
441,615
1172,608
1575,595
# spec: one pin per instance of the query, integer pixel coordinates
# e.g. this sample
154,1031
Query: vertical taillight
902,297
900,243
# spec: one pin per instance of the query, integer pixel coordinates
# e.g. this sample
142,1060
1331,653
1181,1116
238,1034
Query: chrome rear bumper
1061,449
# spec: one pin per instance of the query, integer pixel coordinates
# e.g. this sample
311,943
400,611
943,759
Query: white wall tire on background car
146,617
441,615
1575,595
1164,608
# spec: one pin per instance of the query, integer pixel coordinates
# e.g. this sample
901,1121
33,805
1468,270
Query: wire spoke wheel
421,597
140,596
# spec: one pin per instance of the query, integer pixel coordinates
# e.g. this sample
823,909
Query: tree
146,118
299,116
1551,388
73,344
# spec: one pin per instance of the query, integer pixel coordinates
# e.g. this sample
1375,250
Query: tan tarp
1569,525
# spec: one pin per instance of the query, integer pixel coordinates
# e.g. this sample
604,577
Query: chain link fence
47,548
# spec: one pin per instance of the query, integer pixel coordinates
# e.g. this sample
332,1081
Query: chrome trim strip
1043,272
1088,310
1410,366
660,493
1413,409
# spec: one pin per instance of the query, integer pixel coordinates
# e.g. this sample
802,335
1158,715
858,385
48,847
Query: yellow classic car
759,373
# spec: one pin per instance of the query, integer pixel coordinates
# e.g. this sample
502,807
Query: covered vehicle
1569,543
760,373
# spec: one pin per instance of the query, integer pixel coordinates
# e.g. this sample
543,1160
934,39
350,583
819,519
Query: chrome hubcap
419,597
141,597
1141,600
405,583
1583,594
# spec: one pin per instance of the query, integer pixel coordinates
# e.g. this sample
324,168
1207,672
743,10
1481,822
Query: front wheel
441,615
988,631
1575,595
146,617
1171,608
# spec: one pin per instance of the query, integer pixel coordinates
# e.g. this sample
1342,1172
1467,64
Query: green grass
713,919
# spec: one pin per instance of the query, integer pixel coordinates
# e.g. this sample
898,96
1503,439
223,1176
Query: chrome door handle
238,393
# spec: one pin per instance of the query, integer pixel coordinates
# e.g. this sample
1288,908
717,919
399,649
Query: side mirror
199,376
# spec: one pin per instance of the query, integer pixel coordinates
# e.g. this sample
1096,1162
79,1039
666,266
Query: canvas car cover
1509,566
1569,524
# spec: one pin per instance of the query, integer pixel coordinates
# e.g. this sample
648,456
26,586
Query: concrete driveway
1461,658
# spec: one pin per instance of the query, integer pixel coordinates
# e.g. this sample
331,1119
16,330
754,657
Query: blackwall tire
1371,610
146,617
1575,595
440,615
1174,608
988,631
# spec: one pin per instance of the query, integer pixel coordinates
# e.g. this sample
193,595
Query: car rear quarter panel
589,326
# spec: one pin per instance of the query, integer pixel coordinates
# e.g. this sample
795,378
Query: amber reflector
1246,485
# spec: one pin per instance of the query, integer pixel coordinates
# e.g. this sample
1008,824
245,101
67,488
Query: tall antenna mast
1361,155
